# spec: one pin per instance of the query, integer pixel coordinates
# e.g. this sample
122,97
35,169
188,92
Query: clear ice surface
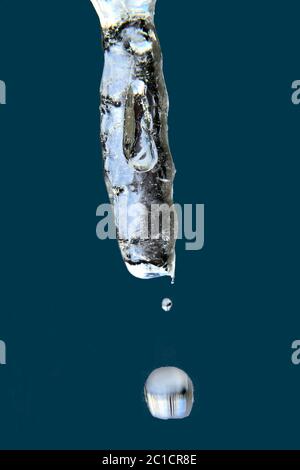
138,165
169,393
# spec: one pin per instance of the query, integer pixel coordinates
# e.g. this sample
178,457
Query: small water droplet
166,305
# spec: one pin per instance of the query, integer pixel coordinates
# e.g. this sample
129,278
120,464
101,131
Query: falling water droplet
169,393
166,305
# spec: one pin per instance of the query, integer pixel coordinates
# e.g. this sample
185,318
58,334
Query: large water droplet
169,393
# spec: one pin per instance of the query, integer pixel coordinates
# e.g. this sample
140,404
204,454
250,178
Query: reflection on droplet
169,393
166,305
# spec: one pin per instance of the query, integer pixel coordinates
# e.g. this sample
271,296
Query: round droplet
169,393
166,305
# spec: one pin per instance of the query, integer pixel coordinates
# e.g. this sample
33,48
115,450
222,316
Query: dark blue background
82,334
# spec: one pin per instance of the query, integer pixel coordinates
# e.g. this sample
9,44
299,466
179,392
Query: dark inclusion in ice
138,165
169,393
